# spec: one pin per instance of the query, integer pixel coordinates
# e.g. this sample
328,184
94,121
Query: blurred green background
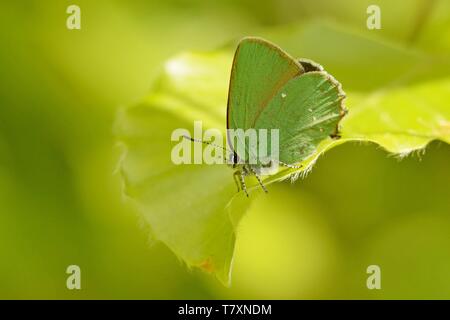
61,202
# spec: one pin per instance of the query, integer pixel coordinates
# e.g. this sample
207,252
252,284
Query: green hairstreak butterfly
271,90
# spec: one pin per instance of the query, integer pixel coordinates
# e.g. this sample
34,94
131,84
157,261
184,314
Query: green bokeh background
60,198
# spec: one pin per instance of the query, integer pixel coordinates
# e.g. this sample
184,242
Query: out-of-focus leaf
435,34
194,209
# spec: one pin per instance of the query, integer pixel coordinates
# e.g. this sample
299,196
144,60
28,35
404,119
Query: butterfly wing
310,65
259,70
306,110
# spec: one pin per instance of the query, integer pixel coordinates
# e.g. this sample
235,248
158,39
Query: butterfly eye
235,158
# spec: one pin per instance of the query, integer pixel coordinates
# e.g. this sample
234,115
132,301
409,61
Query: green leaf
194,209
404,119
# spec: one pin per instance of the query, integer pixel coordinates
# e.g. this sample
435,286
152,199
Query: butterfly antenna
208,143
205,142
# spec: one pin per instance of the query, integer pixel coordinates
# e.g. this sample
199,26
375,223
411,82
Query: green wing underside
270,90
306,110
259,70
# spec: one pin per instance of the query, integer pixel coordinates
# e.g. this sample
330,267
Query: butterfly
271,90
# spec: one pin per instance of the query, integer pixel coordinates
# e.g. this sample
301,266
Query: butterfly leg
259,180
261,183
236,175
243,185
